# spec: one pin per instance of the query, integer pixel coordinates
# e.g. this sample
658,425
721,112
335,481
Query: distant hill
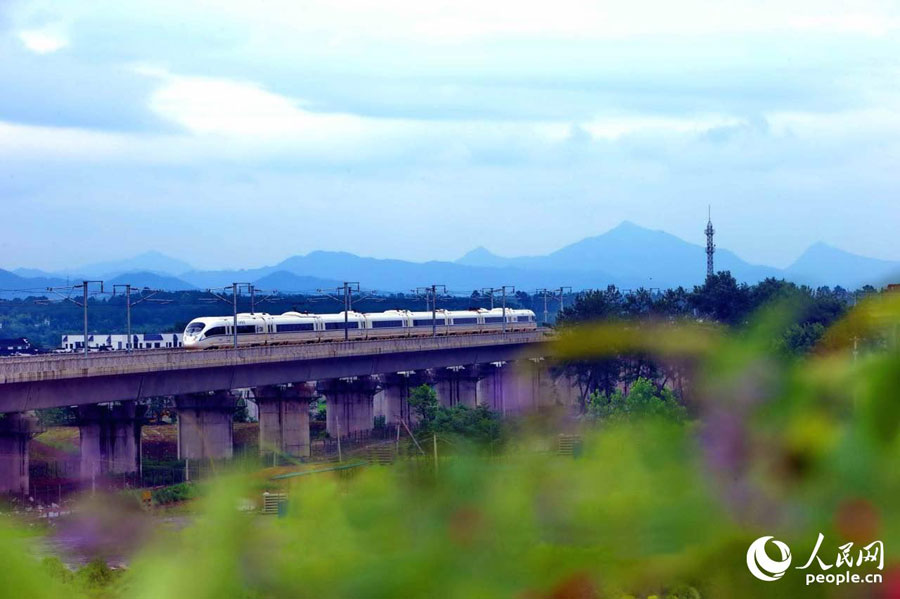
13,285
289,282
822,264
400,275
628,256
151,280
481,256
630,252
153,261
397,275
33,273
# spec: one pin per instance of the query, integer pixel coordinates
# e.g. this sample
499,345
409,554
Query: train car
293,327
520,320
391,323
429,323
333,326
299,327
218,331
464,322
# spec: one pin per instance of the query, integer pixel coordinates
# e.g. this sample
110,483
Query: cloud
566,118
44,41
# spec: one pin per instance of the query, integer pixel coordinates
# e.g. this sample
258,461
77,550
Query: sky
234,134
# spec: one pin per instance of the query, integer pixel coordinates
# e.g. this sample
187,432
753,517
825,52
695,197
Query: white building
116,342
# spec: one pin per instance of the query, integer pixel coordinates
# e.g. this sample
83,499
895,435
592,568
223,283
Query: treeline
606,384
43,320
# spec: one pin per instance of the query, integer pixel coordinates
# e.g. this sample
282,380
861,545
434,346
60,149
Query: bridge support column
395,391
456,385
15,431
489,388
110,438
566,390
527,386
349,405
284,418
205,425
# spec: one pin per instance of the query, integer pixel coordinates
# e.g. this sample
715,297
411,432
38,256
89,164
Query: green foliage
643,399
241,412
174,493
56,416
424,403
651,508
95,578
721,299
478,425
321,410
56,569
800,338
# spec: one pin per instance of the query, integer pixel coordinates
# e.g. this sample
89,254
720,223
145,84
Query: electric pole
502,289
235,289
347,290
431,292
490,291
129,305
348,305
544,294
234,293
562,291
85,285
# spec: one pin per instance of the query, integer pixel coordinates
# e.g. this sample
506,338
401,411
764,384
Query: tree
593,305
241,413
423,400
644,399
57,416
721,298
478,424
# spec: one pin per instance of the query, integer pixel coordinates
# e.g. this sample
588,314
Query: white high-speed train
299,327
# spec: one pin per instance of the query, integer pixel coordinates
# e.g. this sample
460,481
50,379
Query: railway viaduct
359,379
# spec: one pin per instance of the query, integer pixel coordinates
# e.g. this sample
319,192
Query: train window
295,326
525,318
246,329
385,324
490,319
194,328
465,321
215,331
428,322
331,326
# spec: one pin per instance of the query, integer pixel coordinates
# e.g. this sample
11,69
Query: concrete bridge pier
349,404
396,388
15,431
515,387
566,391
527,386
456,385
205,425
489,388
284,418
110,438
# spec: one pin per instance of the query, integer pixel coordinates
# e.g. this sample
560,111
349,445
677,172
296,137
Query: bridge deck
74,366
